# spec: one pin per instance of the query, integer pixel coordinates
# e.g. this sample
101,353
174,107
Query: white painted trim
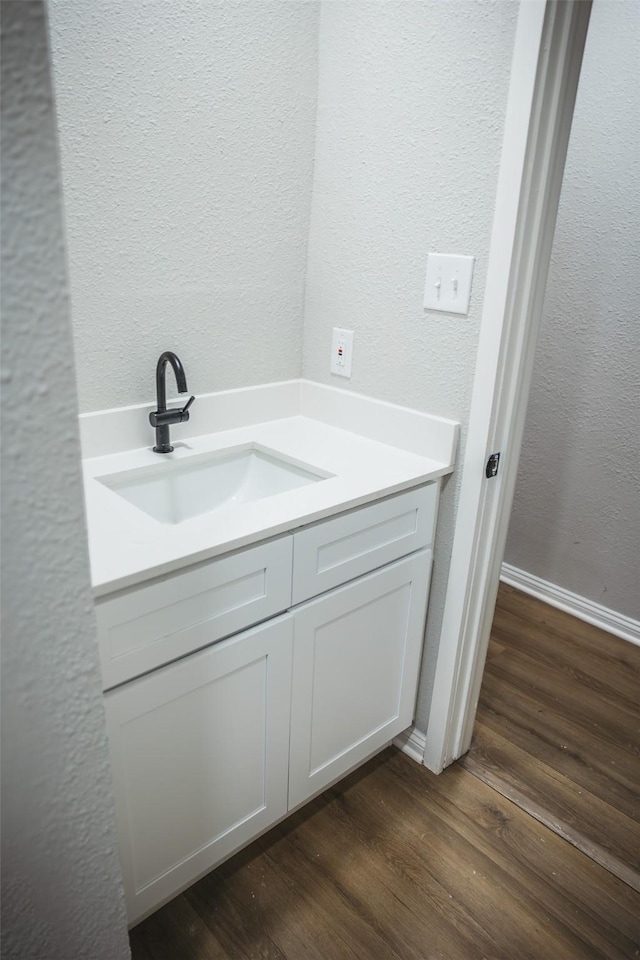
584,609
458,635
547,56
411,742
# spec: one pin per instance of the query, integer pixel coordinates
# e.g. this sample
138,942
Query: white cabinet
199,754
209,750
355,671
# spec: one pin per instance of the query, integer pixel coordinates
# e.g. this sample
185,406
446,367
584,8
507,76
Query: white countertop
127,546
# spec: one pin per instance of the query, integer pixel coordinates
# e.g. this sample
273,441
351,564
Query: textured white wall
61,886
187,134
187,139
411,106
576,513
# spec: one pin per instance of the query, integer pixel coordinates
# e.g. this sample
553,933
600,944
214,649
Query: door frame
548,51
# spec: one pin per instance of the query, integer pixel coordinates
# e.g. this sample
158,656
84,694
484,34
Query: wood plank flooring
558,728
395,863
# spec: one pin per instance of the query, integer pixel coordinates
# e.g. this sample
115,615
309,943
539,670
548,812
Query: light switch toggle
448,283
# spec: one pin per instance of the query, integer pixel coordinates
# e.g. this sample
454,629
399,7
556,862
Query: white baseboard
595,613
412,742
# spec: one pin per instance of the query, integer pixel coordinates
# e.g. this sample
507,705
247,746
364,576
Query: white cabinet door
355,672
199,752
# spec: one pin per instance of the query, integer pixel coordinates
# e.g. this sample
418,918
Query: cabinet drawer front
145,627
199,756
356,658
336,551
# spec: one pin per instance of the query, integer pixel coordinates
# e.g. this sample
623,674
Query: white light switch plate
448,283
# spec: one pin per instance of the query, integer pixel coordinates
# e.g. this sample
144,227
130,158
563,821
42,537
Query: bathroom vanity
258,651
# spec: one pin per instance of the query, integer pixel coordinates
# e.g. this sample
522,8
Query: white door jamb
548,51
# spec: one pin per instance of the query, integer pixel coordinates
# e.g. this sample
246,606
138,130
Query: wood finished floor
395,863
558,728
398,864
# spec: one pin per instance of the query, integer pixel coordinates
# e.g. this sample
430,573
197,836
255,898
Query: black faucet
162,418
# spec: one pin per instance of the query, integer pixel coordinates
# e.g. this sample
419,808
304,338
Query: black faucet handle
188,404
162,418
184,413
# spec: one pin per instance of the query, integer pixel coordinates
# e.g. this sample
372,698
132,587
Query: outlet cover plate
341,352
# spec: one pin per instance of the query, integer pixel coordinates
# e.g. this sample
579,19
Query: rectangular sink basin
173,491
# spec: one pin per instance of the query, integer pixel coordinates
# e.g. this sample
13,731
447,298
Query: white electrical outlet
448,283
341,352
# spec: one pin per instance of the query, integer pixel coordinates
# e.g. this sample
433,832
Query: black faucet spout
162,418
